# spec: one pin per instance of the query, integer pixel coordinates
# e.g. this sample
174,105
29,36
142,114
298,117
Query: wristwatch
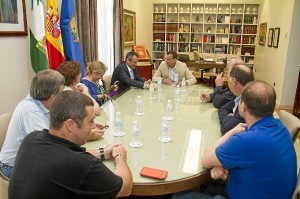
102,156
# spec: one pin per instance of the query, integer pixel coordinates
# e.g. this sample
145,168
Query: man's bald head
260,98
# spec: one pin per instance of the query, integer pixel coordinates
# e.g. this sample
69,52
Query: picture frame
270,37
276,37
13,20
129,27
262,34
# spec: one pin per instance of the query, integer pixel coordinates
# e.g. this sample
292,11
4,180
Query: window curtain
118,37
105,33
86,11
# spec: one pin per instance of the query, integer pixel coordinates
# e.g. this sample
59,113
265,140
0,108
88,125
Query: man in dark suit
238,77
127,75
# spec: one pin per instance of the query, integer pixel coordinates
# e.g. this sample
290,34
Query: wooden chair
106,82
4,121
291,122
3,186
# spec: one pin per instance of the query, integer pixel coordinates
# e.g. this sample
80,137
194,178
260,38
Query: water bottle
151,91
139,106
135,143
183,84
118,126
164,135
169,110
159,81
176,79
177,94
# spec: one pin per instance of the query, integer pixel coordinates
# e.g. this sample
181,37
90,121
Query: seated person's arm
219,173
225,110
158,73
85,90
210,158
230,121
190,79
97,132
125,78
122,170
221,96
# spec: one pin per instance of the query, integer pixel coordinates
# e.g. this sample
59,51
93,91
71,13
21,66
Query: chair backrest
296,194
291,122
3,186
106,82
4,121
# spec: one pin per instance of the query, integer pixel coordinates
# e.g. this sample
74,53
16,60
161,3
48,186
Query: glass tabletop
195,126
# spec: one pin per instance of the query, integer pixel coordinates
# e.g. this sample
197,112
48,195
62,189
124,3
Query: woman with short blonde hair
94,74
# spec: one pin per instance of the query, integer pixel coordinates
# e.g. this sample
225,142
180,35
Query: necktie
236,103
131,74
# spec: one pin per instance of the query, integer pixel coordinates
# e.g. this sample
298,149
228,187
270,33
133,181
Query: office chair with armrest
3,186
106,82
291,122
4,121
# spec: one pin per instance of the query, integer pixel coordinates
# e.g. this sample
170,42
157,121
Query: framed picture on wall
262,34
129,27
276,37
13,18
270,37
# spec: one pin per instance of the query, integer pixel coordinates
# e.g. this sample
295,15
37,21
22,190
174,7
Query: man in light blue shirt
31,114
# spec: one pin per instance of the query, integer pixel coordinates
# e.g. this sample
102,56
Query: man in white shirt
31,114
170,67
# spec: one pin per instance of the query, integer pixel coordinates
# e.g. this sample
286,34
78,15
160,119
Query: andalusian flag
70,35
53,35
38,50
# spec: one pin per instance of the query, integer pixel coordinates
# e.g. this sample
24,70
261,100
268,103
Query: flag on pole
38,49
70,35
53,36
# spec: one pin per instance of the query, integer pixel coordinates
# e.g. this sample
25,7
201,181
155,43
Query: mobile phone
153,173
116,83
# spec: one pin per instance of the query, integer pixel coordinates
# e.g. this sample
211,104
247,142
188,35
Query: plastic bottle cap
118,113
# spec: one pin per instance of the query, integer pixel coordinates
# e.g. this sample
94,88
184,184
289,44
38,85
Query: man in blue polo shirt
260,154
257,158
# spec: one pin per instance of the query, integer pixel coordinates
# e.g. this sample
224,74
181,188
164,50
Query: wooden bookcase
212,29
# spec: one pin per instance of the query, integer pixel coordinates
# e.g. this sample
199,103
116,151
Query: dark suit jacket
229,122
122,75
221,96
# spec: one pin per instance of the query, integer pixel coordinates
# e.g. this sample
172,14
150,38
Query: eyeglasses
168,60
99,73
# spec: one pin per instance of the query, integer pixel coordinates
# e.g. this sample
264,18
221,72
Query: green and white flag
38,49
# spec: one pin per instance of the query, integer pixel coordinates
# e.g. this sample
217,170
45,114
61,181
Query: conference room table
195,127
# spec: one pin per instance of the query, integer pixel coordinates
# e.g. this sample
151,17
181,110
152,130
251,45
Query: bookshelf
212,29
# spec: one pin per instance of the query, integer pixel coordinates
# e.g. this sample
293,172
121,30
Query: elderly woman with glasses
93,80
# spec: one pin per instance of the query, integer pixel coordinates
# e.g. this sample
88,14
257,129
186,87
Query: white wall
15,68
15,71
293,59
278,66
143,10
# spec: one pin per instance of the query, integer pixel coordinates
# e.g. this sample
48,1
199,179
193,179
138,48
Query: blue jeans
6,169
